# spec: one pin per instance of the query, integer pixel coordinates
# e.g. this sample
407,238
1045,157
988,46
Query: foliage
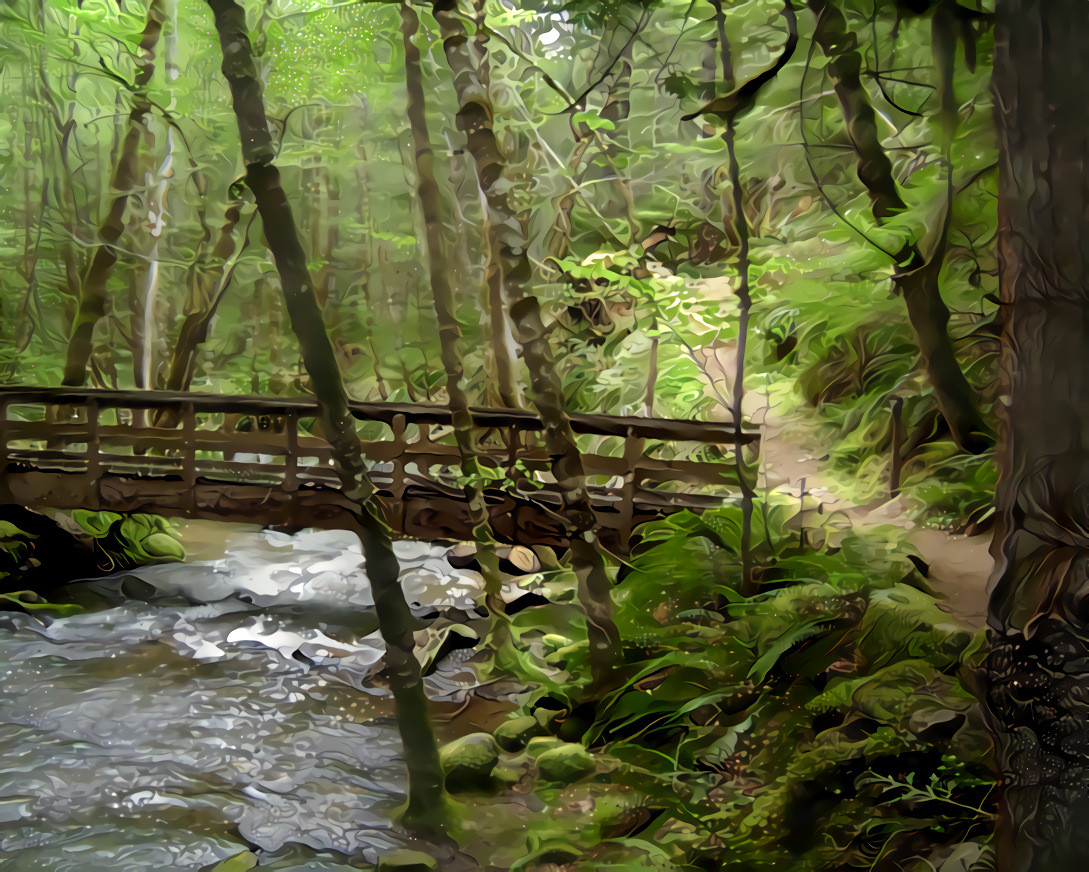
826,722
124,541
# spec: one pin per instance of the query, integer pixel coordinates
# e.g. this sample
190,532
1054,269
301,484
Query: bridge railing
258,440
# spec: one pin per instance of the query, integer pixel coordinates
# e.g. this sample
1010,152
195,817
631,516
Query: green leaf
593,121
98,524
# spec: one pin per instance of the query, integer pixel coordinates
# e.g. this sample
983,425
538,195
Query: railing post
291,460
189,454
5,491
94,456
397,486
896,434
633,451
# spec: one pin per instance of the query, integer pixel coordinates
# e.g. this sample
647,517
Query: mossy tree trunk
594,585
92,292
442,293
426,795
469,64
916,277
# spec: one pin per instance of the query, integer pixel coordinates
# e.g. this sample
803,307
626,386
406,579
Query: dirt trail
959,565
792,459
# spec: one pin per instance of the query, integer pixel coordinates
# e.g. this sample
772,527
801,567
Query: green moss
565,763
407,861
512,735
468,762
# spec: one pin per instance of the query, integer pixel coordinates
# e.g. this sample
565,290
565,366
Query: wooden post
291,459
94,457
896,434
397,486
633,451
189,454
5,491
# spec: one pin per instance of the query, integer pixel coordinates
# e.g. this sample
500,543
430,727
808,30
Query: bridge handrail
668,429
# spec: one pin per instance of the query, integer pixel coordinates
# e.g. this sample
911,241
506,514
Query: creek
205,708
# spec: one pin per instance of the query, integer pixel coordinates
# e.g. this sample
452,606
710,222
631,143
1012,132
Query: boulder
468,762
565,763
513,735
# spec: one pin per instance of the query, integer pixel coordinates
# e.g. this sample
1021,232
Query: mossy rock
513,735
407,861
549,855
468,762
566,763
536,746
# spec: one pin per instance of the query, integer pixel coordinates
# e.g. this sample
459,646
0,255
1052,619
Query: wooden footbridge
255,459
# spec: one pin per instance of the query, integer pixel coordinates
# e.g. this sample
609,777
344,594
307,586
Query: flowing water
233,705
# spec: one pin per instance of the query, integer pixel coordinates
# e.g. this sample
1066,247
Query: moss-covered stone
513,735
407,861
565,763
468,762
551,854
539,744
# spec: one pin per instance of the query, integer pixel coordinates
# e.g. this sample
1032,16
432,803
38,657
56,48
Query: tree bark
1037,689
426,800
449,333
92,294
916,277
471,70
594,587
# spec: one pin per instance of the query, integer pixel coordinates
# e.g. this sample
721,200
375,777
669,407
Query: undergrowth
825,723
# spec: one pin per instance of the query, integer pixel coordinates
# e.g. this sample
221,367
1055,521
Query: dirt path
960,565
792,460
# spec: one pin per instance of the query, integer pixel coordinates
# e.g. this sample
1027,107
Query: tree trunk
594,587
207,284
449,334
426,796
92,294
915,277
1038,667
471,70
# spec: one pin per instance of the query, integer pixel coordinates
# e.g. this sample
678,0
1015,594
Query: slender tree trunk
469,64
426,796
594,586
1038,668
92,301
736,226
915,277
449,334
207,284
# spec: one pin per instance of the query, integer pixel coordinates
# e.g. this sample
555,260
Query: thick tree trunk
449,334
1038,667
92,295
916,278
426,795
